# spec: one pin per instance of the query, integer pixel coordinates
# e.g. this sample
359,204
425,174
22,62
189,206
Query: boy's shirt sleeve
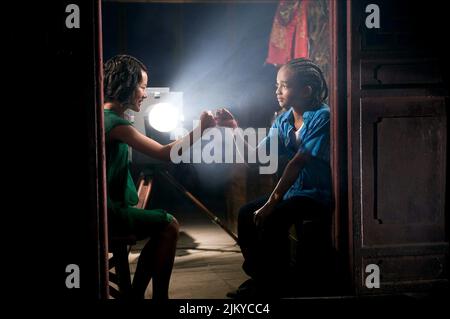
316,141
274,133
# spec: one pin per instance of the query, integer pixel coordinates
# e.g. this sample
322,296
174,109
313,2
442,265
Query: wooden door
397,145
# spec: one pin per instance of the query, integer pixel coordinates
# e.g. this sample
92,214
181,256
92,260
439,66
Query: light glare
163,117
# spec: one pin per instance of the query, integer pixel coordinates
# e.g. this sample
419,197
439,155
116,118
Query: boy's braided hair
306,72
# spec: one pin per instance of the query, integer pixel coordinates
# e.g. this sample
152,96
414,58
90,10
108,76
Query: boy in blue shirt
304,190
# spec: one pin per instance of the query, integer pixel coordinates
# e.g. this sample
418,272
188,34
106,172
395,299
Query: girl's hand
207,120
225,118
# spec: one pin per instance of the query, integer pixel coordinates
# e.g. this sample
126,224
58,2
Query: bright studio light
163,117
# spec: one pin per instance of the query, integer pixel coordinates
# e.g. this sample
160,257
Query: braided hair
306,72
122,74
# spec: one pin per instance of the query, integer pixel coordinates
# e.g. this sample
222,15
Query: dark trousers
267,252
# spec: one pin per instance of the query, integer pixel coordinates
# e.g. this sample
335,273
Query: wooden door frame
340,143
101,160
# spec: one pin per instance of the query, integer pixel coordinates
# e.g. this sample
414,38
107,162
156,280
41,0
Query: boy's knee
245,212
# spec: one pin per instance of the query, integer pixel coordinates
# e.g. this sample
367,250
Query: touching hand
207,120
225,118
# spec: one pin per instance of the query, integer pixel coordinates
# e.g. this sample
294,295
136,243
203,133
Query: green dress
123,218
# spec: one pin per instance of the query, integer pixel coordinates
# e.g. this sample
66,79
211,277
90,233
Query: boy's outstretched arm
288,178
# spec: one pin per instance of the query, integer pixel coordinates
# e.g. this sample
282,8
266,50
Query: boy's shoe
251,289
245,290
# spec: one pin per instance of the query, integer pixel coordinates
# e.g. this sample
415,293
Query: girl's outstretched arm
138,141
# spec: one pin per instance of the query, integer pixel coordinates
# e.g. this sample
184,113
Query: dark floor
207,264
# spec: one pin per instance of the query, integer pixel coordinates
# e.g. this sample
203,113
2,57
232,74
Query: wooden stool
312,257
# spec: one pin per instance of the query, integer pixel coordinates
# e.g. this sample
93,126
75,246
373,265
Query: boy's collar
306,115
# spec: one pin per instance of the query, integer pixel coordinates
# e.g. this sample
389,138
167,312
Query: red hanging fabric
301,49
289,36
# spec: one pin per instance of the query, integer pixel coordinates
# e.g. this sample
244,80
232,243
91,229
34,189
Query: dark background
213,52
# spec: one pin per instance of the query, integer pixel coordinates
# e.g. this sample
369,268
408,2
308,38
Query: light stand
197,202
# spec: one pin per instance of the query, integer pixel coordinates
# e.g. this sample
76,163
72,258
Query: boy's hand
225,118
260,216
207,120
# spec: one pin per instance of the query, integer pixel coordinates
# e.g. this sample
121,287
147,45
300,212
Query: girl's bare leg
156,261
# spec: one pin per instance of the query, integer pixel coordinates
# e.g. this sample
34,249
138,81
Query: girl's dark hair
122,74
306,72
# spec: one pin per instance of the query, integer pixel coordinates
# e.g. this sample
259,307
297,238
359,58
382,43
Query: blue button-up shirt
314,180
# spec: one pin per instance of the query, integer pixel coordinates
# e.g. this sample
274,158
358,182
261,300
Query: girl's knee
173,228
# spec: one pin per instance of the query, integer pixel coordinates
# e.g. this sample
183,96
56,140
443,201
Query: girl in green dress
125,81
